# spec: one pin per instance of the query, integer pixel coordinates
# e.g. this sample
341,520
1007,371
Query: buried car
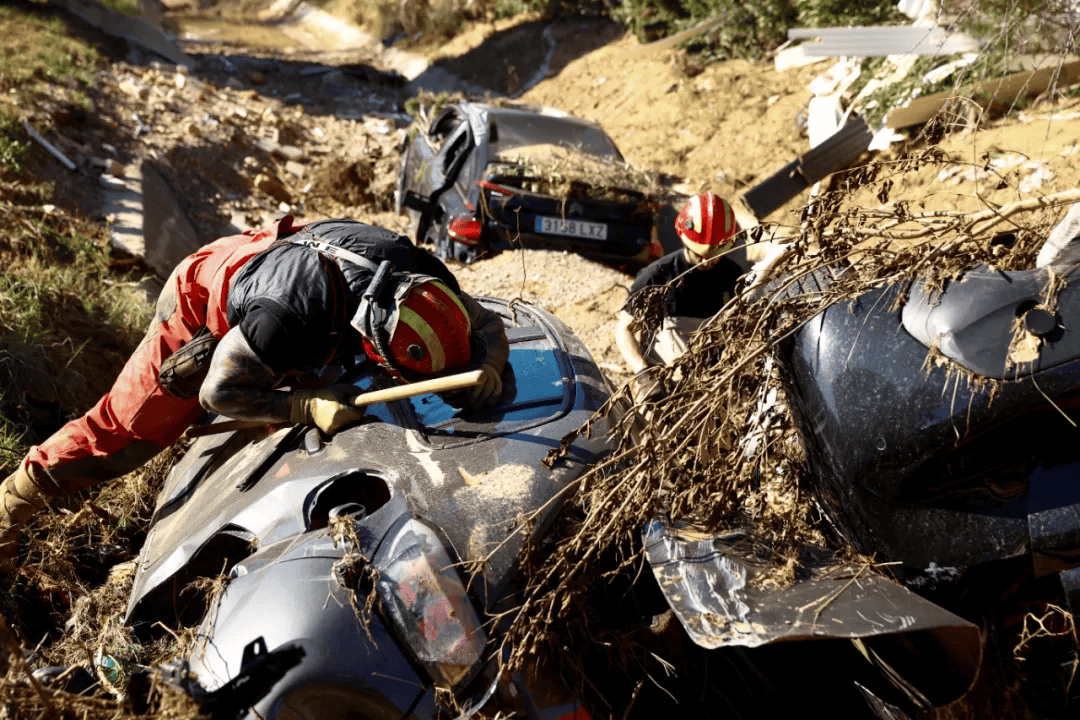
954,479
419,504
481,177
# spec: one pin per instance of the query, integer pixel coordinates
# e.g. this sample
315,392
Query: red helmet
706,225
428,332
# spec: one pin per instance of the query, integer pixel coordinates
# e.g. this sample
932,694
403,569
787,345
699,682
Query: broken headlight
428,605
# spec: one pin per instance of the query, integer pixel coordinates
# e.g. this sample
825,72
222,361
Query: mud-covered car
481,177
967,499
417,504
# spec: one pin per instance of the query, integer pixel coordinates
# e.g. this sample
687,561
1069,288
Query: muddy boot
22,494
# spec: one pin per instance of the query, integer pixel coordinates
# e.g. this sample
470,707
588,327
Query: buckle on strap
372,314
305,237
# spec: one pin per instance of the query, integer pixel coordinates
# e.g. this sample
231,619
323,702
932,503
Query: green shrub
1012,30
429,18
509,8
849,13
743,28
748,28
127,7
12,146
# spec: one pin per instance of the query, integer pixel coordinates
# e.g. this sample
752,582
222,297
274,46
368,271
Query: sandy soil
335,99
664,113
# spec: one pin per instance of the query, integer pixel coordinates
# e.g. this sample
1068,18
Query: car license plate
571,228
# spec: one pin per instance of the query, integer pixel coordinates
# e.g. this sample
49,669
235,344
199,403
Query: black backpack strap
307,238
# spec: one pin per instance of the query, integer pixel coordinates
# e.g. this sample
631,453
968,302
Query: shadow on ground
511,60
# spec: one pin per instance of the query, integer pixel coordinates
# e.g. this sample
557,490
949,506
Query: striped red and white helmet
706,225
429,331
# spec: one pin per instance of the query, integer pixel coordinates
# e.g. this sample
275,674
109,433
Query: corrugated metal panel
875,41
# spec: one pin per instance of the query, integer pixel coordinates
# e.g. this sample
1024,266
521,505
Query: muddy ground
275,118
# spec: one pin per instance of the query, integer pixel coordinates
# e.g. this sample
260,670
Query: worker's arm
627,342
239,385
490,328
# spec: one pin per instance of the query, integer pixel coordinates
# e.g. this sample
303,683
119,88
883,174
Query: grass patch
13,145
68,319
127,7
38,48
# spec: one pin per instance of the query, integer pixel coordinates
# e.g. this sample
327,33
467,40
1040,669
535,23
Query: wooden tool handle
223,427
400,392
459,381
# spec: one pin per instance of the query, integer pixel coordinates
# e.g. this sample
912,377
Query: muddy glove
646,386
22,494
488,393
328,409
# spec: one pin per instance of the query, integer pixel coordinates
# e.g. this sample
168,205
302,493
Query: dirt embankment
299,118
303,117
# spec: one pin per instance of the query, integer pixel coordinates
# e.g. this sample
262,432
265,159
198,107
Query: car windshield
514,130
535,390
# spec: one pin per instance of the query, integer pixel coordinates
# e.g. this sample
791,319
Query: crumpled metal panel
713,593
972,320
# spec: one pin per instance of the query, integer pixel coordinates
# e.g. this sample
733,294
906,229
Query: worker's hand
645,386
329,409
488,393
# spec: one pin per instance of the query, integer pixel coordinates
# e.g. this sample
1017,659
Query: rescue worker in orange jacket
238,316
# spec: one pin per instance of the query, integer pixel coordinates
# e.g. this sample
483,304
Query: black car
482,177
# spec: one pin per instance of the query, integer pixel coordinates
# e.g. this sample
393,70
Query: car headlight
428,605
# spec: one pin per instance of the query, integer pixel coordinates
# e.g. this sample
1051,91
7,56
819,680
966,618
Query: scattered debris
135,30
837,152
1051,72
883,40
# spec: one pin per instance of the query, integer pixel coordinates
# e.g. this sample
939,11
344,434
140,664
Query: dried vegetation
720,450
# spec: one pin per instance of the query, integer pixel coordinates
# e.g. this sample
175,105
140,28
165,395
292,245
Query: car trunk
579,214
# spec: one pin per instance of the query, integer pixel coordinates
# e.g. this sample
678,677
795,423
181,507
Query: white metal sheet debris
877,41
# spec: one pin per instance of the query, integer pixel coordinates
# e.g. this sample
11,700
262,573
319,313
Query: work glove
22,494
328,409
488,393
645,386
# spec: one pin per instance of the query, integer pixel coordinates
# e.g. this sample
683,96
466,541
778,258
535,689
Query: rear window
521,129
537,388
